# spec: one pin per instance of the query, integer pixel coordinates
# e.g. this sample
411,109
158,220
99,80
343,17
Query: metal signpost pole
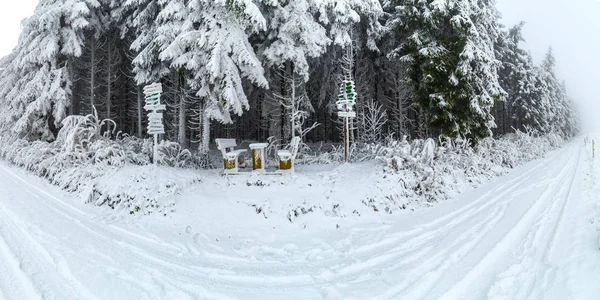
346,139
155,152
345,104
155,119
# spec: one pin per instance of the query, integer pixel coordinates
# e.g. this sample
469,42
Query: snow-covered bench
287,157
231,157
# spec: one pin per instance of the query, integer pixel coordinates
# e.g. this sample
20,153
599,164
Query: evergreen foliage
254,69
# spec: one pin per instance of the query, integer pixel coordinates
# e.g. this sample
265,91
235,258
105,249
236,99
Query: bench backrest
223,144
295,146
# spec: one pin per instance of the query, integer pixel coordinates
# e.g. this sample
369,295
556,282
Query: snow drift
390,177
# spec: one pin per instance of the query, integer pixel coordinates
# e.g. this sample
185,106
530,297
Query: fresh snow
527,235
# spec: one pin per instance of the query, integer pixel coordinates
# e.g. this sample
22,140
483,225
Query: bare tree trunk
205,129
109,81
140,105
293,106
92,75
181,132
73,95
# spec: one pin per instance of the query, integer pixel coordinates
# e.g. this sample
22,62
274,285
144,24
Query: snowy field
527,235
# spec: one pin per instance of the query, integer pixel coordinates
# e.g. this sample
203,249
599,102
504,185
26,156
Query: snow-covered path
528,235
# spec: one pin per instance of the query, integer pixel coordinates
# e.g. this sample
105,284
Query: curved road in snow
527,235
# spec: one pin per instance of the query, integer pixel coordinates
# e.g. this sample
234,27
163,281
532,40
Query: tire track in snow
144,259
40,264
428,259
420,255
511,240
458,215
414,241
533,262
14,283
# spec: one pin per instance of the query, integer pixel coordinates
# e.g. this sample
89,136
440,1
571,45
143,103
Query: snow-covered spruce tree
353,21
301,30
171,19
294,101
112,75
294,35
139,21
570,124
213,47
89,68
524,105
397,97
38,100
452,65
560,112
134,19
551,91
134,97
502,110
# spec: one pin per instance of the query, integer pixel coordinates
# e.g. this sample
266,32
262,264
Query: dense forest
254,69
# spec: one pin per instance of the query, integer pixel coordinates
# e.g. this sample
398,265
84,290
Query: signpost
155,119
345,104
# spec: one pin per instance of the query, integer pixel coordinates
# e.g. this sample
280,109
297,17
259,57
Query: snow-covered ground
527,235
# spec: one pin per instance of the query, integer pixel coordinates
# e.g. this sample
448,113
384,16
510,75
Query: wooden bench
232,158
287,157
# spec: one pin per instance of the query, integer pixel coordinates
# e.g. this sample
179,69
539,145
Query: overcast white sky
11,14
572,27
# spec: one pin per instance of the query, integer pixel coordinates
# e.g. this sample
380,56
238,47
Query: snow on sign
347,94
347,114
345,104
155,123
155,119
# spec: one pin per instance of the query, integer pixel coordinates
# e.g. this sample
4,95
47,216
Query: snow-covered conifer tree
213,47
39,100
522,106
452,65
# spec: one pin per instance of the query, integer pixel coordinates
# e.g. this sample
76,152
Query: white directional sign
347,114
347,98
155,107
345,104
155,119
153,89
155,123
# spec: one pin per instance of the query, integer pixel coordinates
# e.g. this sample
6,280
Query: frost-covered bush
79,132
435,170
82,154
137,189
138,151
372,117
323,155
326,154
171,154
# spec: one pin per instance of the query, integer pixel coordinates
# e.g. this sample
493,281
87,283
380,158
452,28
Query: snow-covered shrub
108,152
78,132
171,154
138,151
372,117
334,154
138,189
320,156
435,171
82,154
